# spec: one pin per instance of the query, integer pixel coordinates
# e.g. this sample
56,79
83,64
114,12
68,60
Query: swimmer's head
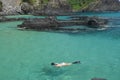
52,63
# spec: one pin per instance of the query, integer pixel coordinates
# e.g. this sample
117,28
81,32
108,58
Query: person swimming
64,64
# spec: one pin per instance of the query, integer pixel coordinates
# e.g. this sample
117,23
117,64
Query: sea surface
26,55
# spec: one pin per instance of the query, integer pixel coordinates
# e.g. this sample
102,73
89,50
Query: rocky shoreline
56,8
51,23
61,7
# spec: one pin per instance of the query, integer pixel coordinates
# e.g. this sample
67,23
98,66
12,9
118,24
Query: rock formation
10,7
52,24
104,5
54,7
38,7
26,8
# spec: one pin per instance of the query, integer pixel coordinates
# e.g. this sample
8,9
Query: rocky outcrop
54,7
52,24
13,7
104,5
39,7
26,8
10,7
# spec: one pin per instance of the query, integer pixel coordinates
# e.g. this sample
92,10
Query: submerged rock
98,79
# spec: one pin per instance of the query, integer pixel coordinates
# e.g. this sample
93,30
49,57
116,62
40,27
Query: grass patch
79,4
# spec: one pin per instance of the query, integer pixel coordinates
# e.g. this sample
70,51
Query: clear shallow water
26,55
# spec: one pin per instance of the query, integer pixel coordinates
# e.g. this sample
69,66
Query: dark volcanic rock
92,22
52,24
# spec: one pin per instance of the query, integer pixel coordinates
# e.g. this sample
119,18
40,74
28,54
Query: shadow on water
45,73
52,71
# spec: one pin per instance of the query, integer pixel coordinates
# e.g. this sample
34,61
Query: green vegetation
79,4
30,1
75,4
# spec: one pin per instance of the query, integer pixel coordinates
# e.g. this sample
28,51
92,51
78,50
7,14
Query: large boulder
26,8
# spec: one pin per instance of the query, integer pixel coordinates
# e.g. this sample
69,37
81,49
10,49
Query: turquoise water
25,16
26,55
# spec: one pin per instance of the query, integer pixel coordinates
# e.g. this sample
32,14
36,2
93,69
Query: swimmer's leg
76,62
